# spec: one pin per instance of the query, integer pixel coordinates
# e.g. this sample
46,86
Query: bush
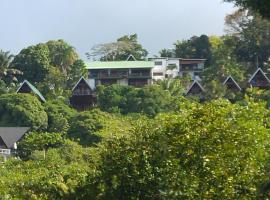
22,110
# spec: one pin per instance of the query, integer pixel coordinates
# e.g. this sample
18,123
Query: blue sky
84,23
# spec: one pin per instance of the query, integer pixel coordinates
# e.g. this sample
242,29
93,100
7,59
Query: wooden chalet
82,95
27,87
259,80
232,85
195,89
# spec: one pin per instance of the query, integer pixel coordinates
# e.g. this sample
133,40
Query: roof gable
32,88
258,72
229,80
82,79
11,135
194,85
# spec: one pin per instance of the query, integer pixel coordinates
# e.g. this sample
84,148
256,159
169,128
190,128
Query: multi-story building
134,73
177,67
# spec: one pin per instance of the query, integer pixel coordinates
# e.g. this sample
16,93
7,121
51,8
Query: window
158,63
157,73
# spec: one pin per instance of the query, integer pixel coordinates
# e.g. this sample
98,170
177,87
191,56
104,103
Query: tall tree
119,50
195,47
260,6
34,62
62,55
251,37
7,73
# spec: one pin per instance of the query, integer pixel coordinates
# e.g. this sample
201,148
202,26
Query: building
83,96
191,67
232,85
165,67
27,87
259,80
177,67
9,136
134,73
195,89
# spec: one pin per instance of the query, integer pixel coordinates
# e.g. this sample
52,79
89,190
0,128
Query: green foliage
34,62
91,127
56,177
39,141
7,73
195,47
59,114
119,50
212,151
22,110
262,6
148,100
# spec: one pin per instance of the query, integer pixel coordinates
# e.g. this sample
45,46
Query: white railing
5,151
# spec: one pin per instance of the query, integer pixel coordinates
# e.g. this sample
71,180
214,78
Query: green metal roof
34,90
119,64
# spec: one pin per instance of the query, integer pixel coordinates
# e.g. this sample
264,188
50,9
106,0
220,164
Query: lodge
137,74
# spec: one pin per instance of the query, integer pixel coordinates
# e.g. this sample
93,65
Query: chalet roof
195,83
119,64
82,79
232,79
259,70
11,135
33,89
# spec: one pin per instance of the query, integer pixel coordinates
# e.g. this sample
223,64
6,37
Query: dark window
158,63
158,74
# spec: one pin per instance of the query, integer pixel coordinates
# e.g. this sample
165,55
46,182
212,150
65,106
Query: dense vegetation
141,143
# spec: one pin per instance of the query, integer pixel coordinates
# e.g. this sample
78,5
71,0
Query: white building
177,67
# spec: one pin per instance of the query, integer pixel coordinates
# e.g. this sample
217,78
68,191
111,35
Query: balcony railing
121,75
5,151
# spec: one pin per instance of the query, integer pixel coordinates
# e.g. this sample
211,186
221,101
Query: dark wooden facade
83,97
232,85
195,89
259,80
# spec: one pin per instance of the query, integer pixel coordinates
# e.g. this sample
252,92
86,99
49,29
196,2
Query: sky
85,23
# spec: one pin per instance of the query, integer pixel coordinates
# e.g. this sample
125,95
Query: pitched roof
119,64
11,135
232,79
82,79
259,70
33,89
195,83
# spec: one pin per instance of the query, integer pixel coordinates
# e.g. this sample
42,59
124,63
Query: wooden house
27,87
195,89
259,80
82,95
232,85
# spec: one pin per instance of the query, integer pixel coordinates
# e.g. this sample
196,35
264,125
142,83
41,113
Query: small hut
27,87
259,80
82,95
195,89
232,85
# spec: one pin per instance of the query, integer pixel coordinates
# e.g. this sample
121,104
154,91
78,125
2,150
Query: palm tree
172,85
7,73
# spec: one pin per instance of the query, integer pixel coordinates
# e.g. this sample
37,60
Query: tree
195,47
39,141
34,62
168,53
62,55
91,127
207,151
224,64
250,36
119,50
262,6
22,110
7,73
